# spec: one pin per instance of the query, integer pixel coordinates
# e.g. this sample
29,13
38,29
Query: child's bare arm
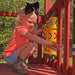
39,31
33,32
35,38
39,40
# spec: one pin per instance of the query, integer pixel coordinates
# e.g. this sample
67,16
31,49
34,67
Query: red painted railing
57,8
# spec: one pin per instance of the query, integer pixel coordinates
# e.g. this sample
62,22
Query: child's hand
40,31
55,46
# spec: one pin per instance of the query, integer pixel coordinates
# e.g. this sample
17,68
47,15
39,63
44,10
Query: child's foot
26,65
20,71
19,68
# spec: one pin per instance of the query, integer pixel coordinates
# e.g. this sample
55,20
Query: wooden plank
70,70
32,60
40,23
47,7
62,68
73,67
66,37
36,69
59,38
57,4
54,63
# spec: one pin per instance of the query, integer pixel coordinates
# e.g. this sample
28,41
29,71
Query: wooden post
59,37
73,68
38,60
47,6
40,23
66,36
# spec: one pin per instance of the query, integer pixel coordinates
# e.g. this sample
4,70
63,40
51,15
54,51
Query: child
19,46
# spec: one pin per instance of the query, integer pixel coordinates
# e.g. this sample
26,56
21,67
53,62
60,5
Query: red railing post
73,67
47,6
40,23
59,37
66,36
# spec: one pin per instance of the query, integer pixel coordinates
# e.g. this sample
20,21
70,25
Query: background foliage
7,23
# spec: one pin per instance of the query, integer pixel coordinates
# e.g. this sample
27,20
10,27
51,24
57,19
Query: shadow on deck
36,69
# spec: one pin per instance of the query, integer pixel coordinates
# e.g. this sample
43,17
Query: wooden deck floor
36,69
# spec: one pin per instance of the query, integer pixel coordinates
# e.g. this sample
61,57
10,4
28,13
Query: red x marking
55,36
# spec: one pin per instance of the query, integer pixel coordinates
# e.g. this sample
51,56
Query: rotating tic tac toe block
49,51
50,34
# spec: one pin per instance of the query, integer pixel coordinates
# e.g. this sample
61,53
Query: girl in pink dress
19,46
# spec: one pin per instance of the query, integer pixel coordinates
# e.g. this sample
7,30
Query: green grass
70,60
3,61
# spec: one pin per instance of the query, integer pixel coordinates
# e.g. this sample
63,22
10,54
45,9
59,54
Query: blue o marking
50,22
54,50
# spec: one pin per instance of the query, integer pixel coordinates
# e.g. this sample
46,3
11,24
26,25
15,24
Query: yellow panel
49,51
50,34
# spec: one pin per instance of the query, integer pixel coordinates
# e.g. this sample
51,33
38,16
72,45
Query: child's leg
21,48
26,49
31,52
22,52
27,52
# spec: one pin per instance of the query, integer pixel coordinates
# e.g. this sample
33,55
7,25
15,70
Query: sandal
20,71
19,68
26,65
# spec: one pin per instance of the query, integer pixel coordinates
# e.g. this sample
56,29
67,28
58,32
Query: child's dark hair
29,9
32,6
20,13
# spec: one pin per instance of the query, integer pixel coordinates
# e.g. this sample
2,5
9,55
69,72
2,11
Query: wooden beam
10,14
40,23
59,38
56,5
47,7
66,37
